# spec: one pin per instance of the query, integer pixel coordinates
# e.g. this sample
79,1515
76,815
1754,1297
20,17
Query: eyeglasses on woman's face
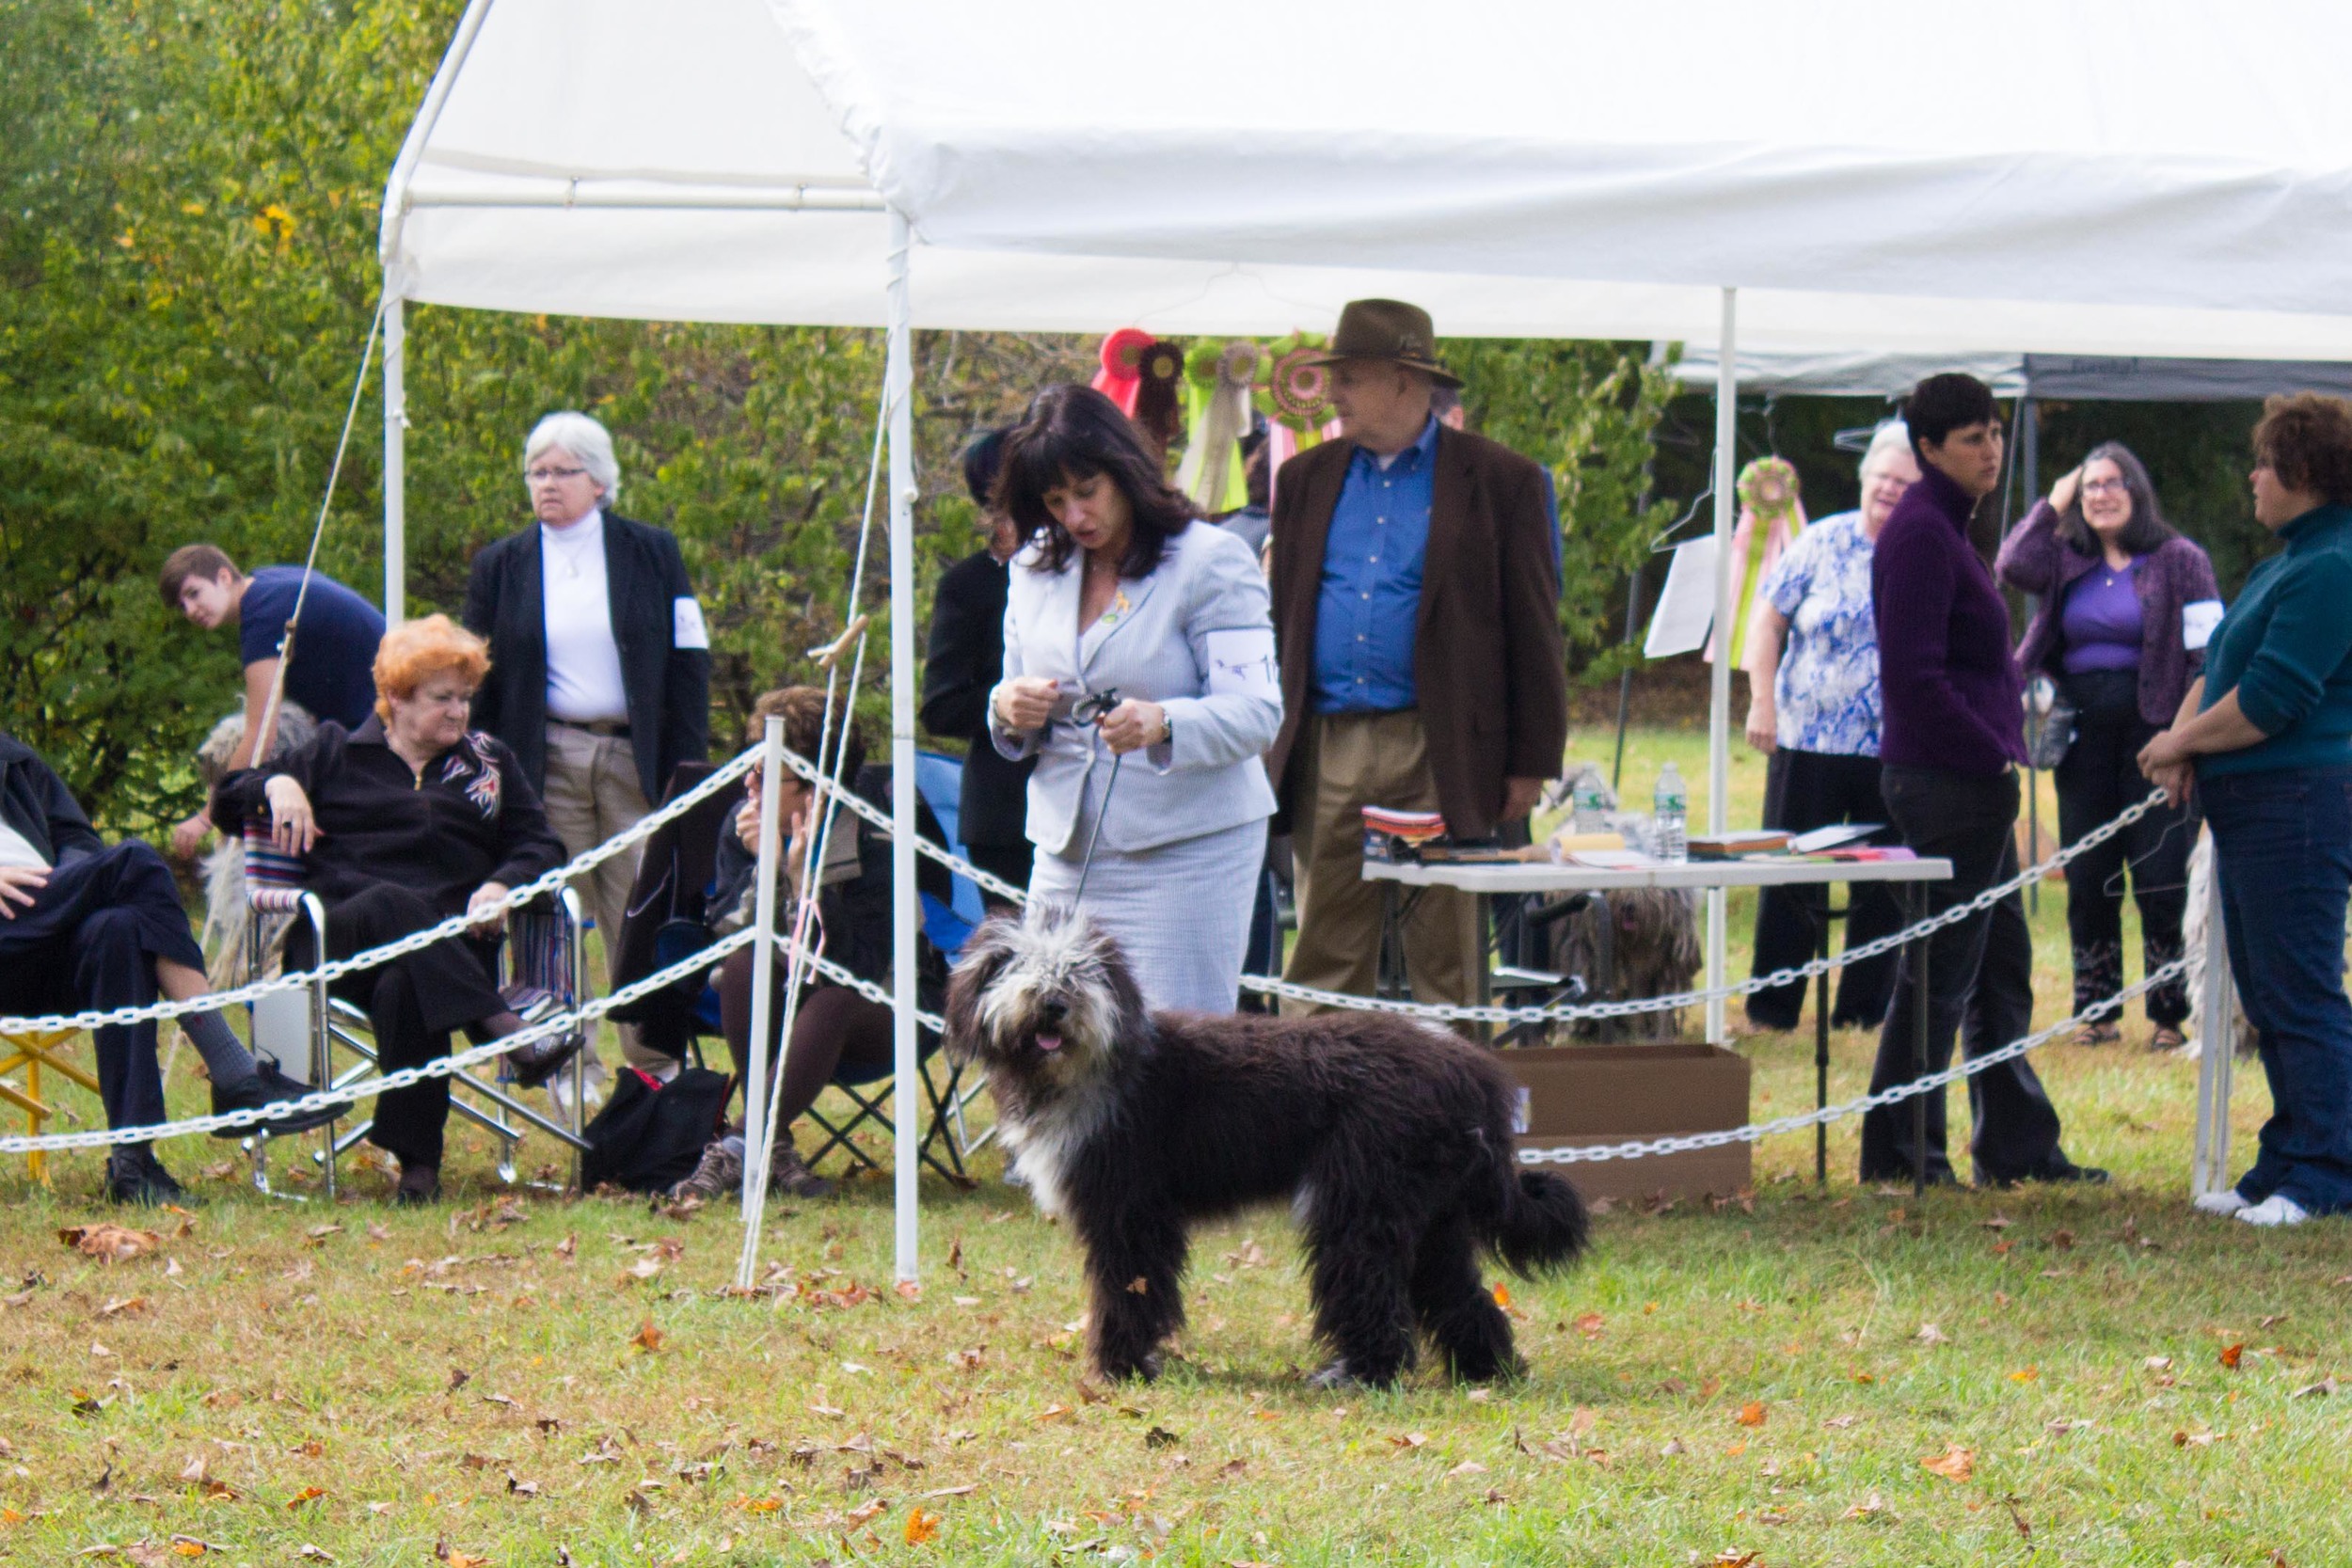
551,476
2102,488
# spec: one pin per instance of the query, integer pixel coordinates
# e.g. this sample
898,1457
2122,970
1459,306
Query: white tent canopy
2151,177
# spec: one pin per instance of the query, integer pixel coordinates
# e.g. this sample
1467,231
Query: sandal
2097,1033
2167,1039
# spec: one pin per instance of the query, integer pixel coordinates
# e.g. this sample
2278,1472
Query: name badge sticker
2197,622
687,629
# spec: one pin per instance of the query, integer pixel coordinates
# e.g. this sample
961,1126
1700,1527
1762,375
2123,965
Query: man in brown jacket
1417,619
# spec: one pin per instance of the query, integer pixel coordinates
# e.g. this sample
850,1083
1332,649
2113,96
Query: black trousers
412,1002
1980,988
2098,778
1803,790
90,940
1005,861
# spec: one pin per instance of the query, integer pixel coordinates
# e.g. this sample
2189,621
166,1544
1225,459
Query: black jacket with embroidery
36,803
471,819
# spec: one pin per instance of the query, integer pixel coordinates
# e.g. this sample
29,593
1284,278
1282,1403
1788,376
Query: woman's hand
1027,702
2166,762
483,918
292,826
18,883
1763,726
2062,492
1132,725
188,837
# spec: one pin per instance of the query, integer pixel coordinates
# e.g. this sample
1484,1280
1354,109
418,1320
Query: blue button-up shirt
1371,595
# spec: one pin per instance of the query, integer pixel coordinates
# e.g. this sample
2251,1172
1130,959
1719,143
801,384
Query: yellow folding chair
32,1052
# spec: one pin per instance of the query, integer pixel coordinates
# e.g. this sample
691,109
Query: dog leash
1089,710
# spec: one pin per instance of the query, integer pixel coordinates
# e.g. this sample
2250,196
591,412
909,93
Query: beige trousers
592,794
1351,761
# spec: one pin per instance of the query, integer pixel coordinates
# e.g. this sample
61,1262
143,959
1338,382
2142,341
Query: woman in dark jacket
835,1027
2124,604
402,823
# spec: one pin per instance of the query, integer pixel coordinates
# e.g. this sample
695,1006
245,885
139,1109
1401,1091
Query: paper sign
1686,606
686,624
2197,622
1241,663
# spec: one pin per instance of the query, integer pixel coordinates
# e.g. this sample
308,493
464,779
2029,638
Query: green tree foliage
189,200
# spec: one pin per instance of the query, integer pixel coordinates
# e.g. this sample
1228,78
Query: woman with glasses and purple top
2126,606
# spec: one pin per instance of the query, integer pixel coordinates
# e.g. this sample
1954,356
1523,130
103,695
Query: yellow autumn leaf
921,1527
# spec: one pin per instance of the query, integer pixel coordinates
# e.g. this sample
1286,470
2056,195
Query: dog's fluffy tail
1536,1222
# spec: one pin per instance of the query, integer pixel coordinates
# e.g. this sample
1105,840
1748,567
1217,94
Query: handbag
2051,723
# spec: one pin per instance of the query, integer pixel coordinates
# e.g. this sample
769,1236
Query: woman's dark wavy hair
2147,530
1074,432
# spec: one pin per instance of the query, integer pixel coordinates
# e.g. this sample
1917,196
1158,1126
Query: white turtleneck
585,683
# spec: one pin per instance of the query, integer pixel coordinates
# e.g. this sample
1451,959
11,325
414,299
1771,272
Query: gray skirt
1179,912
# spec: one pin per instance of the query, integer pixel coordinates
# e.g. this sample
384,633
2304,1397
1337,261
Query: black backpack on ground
650,1135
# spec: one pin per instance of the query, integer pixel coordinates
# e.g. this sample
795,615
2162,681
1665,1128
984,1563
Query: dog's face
1045,1000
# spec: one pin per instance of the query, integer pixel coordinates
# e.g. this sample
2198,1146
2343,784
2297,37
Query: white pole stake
1719,688
763,966
2217,1050
905,1097
395,458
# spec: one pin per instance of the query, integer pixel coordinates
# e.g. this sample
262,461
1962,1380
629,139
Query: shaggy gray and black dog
1390,1139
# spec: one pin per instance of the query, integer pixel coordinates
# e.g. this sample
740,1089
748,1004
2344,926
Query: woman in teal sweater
2265,738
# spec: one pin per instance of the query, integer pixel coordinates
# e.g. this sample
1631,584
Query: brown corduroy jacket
1490,670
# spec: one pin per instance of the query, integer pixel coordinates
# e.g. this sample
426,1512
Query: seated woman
83,925
403,822
835,1027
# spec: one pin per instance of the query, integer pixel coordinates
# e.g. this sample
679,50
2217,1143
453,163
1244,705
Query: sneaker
719,1175
2226,1201
271,1085
528,1003
2278,1209
788,1178
136,1175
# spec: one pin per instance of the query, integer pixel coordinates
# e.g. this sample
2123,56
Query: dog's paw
1146,1369
1334,1377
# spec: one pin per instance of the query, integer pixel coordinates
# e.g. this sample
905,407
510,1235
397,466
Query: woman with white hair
1813,683
600,662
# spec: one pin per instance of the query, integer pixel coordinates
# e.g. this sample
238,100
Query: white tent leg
756,1130
1718,690
395,460
2216,1051
906,1094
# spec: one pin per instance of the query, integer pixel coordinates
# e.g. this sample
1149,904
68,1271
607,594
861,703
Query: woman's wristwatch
1167,728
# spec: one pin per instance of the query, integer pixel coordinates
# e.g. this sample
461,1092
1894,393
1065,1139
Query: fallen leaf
2231,1356
121,1305
1931,1334
1468,1468
2062,1240
1138,1286
307,1495
2025,1374
309,1553
1750,1414
1954,1463
1502,1295
1160,1437
1870,1507
648,1336
109,1243
921,1527
2321,1389
908,1289
866,1513
1409,1440
1591,1323
1838,1423
1998,1222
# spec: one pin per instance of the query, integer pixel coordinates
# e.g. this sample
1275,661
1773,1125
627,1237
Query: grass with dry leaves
1832,1376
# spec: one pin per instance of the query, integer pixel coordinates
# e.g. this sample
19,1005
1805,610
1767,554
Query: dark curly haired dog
1390,1139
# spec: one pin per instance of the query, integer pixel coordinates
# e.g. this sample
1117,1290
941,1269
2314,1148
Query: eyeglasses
2102,486
549,476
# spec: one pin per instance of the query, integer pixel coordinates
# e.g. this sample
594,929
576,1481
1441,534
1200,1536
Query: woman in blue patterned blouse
1814,711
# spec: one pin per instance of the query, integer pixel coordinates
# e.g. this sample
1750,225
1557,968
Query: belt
616,729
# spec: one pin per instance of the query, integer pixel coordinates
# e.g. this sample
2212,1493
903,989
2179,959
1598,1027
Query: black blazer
966,662
36,803
667,686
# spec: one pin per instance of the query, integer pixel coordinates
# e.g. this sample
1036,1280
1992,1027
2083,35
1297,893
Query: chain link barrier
320,1100
416,942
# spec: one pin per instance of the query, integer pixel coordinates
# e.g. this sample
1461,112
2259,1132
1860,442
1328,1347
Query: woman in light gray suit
1119,598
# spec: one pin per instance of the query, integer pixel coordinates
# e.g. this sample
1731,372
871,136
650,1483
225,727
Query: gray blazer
1195,637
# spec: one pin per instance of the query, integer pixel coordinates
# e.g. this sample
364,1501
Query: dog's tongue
1049,1042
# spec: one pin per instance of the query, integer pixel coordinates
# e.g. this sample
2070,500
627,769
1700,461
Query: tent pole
395,459
770,872
906,1098
1719,692
2217,1049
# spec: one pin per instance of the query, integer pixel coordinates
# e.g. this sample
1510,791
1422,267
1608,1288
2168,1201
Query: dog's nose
1050,1014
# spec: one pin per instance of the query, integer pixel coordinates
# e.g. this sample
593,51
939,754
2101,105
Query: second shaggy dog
1392,1140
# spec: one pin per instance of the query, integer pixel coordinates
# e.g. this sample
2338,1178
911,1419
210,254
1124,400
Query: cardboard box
1577,1095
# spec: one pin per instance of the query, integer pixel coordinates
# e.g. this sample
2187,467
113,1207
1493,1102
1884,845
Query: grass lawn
2098,1376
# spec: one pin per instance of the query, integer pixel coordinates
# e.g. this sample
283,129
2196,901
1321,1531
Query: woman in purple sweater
2124,604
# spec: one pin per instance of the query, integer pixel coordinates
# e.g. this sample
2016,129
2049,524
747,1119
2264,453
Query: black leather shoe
136,1175
539,1061
419,1186
270,1085
2061,1169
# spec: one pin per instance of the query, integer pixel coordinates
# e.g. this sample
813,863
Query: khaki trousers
1351,761
593,794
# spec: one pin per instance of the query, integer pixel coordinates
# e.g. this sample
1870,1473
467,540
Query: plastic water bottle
1671,804
1588,801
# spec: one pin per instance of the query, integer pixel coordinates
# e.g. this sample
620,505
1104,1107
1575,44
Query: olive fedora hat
1388,329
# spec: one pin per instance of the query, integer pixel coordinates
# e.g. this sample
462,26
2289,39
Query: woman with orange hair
403,822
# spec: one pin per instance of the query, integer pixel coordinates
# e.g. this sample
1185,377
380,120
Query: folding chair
542,948
32,1052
